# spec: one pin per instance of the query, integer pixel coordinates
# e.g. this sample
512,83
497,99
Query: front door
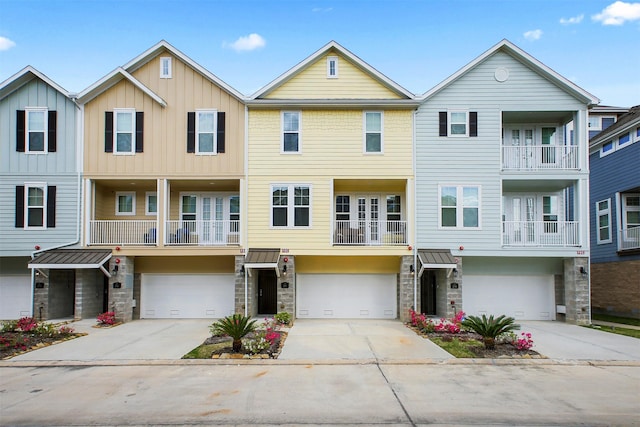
428,293
267,292
369,218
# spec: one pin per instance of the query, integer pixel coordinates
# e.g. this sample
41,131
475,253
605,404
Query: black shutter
139,131
221,128
20,131
191,132
443,123
108,131
51,206
473,123
52,127
19,206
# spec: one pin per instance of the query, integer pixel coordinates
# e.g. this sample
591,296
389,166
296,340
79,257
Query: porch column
121,287
240,305
287,294
454,290
576,290
405,288
41,297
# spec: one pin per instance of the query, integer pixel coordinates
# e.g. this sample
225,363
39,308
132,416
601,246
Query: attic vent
501,74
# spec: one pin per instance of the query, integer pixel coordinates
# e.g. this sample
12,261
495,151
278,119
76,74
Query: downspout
415,215
245,204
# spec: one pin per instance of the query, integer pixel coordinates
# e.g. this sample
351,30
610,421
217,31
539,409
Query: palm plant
235,326
489,328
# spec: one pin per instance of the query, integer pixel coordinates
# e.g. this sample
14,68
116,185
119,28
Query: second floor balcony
540,157
370,233
629,239
540,233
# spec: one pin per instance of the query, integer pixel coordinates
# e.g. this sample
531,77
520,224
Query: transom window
206,131
291,131
373,132
124,131
460,206
36,121
603,215
125,203
35,207
290,205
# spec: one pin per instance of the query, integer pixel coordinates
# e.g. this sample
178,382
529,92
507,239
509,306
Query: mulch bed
227,352
15,343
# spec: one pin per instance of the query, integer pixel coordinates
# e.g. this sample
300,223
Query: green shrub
283,318
489,327
9,326
235,326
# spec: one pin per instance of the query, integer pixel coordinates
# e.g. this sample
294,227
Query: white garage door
521,297
187,296
346,296
15,297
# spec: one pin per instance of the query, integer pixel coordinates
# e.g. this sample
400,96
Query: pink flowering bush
27,324
424,324
524,342
107,318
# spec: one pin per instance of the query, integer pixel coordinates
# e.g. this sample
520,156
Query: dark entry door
105,294
267,292
428,292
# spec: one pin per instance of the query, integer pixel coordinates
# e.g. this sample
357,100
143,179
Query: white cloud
617,13
321,9
574,20
533,35
251,42
6,44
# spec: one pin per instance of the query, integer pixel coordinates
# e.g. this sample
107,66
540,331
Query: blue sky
249,43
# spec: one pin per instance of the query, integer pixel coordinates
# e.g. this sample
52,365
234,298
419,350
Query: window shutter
20,131
221,128
473,123
443,123
139,131
191,132
52,128
108,131
51,206
19,206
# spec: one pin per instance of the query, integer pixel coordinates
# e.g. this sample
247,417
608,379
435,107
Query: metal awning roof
72,258
262,258
435,258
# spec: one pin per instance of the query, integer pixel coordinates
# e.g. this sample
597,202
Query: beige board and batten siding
165,128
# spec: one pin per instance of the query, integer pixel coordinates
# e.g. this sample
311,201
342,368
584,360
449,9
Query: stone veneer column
454,295
287,296
121,299
406,289
576,291
239,285
41,298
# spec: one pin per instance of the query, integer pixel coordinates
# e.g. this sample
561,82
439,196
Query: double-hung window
290,205
373,131
603,215
125,203
460,206
124,131
35,211
36,130
631,215
458,123
291,131
206,132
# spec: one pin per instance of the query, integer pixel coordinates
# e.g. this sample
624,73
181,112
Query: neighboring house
502,193
39,191
330,191
615,217
164,143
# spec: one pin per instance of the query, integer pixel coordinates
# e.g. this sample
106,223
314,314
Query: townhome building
330,191
614,157
164,175
502,195
39,192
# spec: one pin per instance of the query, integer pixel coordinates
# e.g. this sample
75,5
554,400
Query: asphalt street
347,393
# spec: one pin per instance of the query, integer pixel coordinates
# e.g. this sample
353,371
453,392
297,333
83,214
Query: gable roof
359,63
23,77
625,122
528,60
125,72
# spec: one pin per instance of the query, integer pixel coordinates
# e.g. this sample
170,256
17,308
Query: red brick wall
615,288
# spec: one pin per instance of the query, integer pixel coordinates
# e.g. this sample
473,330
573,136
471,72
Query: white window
624,139
603,218
206,125
458,123
550,213
607,148
36,121
630,211
459,206
290,205
290,131
599,123
35,206
373,132
125,203
332,67
165,67
124,131
151,203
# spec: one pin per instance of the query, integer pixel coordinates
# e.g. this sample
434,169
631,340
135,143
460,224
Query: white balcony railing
203,233
540,233
122,232
370,233
540,157
629,238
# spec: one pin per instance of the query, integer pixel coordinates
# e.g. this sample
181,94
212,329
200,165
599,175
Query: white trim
132,112
600,213
45,130
450,123
110,80
43,187
133,203
459,206
165,62
290,205
21,77
146,203
332,59
299,132
364,132
214,152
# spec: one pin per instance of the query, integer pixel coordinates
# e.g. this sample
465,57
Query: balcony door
531,219
521,139
369,218
211,218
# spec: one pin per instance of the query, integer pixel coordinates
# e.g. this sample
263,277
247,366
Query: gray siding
475,160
